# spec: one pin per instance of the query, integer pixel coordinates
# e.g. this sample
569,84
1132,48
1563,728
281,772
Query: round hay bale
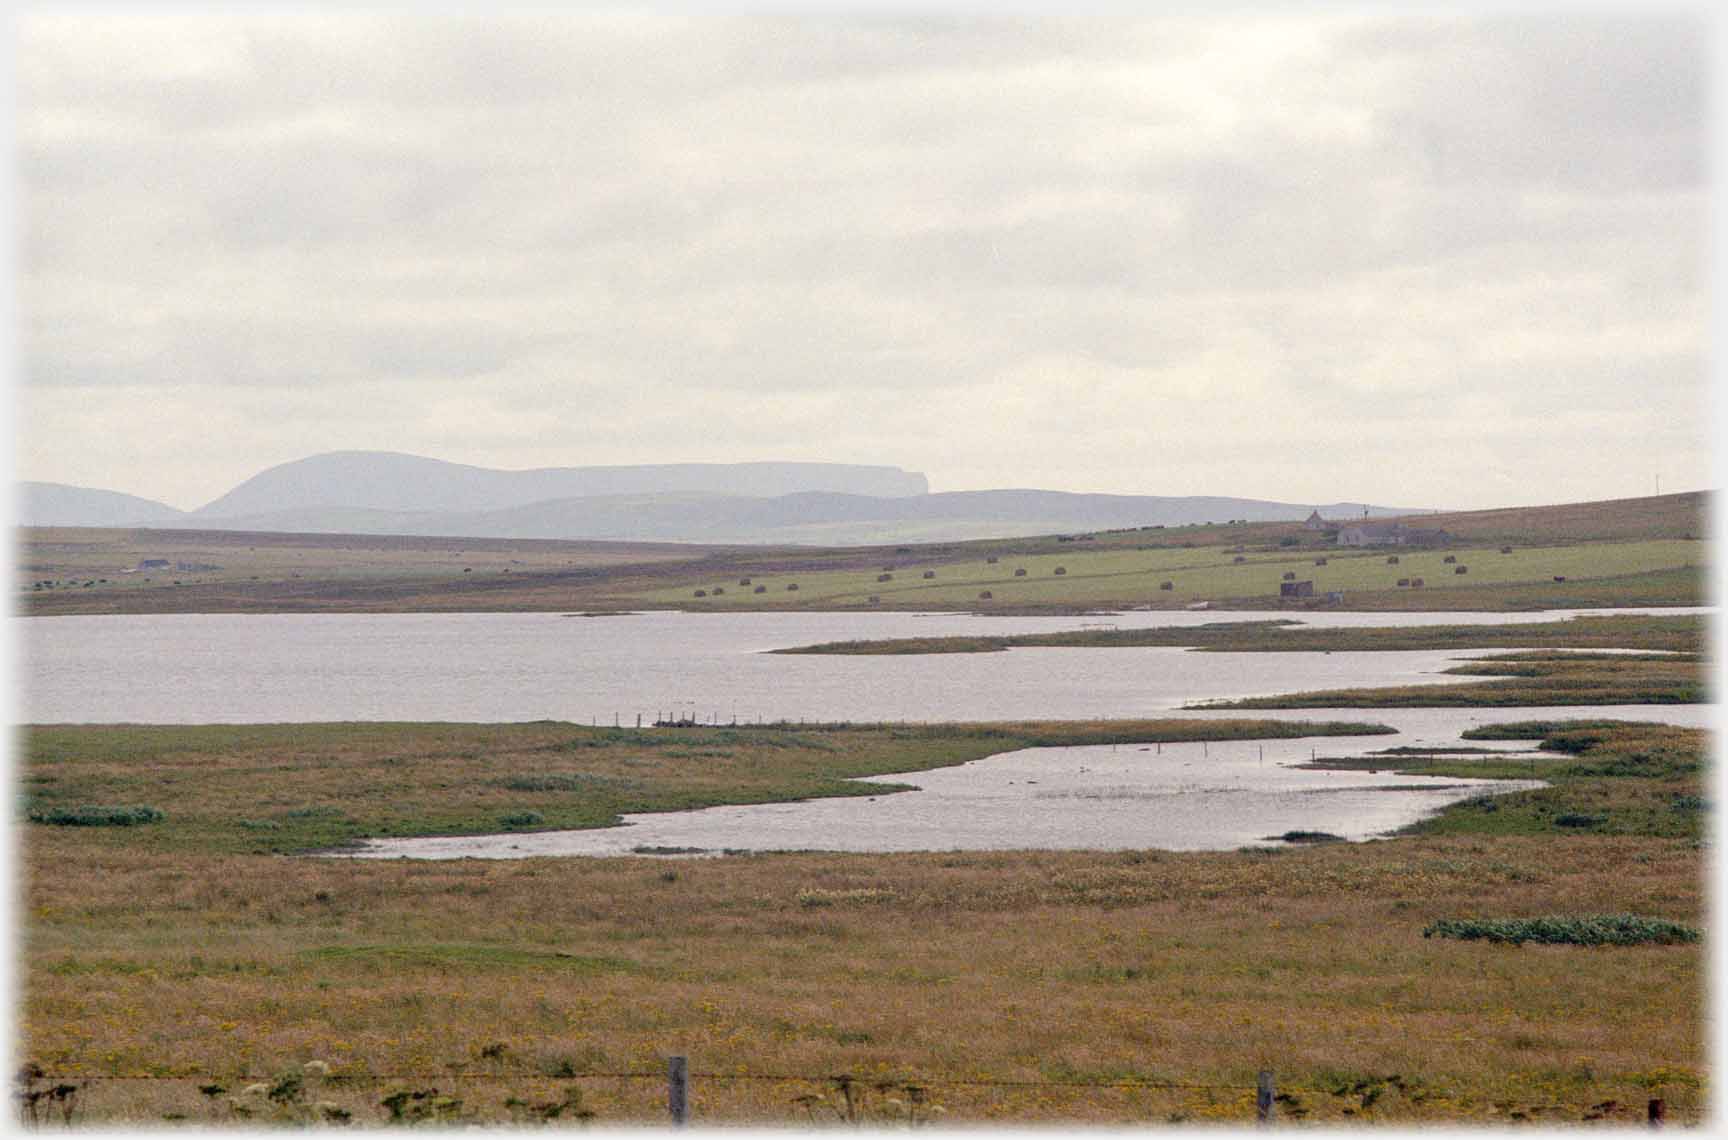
884,577
1559,577
929,574
1461,570
743,581
1289,575
1392,561
791,585
718,590
760,590
875,599
1166,585
1403,581
1450,558
991,560
1319,562
1505,550
1020,573
701,593
1414,582
1238,558
985,595
1061,570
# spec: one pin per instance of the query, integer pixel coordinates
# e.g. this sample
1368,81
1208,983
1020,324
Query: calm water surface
1183,797
246,668
191,669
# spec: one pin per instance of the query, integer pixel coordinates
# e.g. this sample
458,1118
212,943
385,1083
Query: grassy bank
1608,778
1676,634
264,789
1528,680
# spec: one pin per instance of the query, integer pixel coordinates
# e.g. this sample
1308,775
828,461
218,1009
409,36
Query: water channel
187,669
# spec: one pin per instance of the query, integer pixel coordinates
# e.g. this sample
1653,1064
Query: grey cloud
780,218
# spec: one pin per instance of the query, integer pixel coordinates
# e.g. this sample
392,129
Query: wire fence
44,1096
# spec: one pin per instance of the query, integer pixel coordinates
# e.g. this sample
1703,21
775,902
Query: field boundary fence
44,1096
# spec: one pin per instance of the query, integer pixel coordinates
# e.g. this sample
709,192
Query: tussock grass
87,815
1567,930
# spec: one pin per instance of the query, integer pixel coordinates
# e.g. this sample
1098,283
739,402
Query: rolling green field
1209,574
1641,552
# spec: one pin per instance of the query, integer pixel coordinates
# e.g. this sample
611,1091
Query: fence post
1263,1098
678,1089
1658,1112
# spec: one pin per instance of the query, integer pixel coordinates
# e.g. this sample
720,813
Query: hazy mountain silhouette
392,481
57,504
362,492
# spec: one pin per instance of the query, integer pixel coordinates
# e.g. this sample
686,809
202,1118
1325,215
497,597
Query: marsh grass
1530,679
200,964
290,789
1604,778
1661,633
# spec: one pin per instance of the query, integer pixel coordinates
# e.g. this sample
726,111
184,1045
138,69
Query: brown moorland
1017,986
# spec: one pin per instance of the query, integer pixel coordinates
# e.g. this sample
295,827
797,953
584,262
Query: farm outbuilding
1391,534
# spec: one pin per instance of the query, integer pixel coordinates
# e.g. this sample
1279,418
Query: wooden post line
1263,1098
678,1089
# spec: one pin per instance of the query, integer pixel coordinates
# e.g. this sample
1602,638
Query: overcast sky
1447,262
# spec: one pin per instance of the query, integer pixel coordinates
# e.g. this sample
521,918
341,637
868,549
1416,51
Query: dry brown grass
1194,968
1015,986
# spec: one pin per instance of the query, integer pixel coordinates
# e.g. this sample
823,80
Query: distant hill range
829,504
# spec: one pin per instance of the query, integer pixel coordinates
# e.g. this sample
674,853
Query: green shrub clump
92,815
522,819
1566,930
